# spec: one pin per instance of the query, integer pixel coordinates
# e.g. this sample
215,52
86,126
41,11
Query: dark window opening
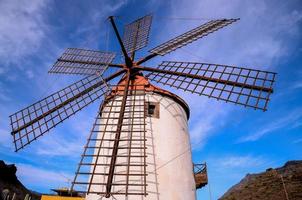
152,109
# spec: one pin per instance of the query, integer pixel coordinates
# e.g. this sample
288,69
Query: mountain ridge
283,183
10,185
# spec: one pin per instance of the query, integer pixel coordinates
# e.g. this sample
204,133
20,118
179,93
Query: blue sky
233,140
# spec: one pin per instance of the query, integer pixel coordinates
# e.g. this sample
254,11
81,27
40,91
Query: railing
200,175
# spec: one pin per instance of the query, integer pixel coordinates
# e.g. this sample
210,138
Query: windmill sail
129,175
191,36
33,121
82,62
136,34
243,86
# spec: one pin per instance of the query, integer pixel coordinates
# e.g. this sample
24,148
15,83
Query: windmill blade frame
136,34
243,86
191,36
83,62
187,38
33,121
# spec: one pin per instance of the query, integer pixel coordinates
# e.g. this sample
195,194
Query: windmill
138,147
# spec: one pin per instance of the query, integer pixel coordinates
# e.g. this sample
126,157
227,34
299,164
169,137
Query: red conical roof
139,82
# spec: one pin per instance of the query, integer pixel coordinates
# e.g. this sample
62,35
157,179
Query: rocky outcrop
10,187
284,183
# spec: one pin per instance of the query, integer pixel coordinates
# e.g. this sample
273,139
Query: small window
152,109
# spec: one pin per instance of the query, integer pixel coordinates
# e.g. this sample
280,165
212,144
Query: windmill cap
139,82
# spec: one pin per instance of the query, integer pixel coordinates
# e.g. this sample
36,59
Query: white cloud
4,93
246,161
6,139
291,119
256,41
208,117
227,170
55,145
297,141
21,29
2,70
297,85
29,74
94,31
66,140
34,177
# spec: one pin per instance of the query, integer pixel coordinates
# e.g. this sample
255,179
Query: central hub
128,62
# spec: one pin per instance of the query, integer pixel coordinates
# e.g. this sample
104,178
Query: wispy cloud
22,29
6,140
297,85
46,179
288,120
207,119
55,146
297,141
4,93
235,161
68,140
228,169
252,41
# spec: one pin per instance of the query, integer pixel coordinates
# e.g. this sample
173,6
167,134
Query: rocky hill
10,185
284,183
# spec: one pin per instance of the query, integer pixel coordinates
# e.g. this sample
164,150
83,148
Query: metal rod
150,56
92,63
128,60
228,82
117,137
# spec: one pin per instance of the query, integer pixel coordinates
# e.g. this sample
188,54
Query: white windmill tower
154,131
139,145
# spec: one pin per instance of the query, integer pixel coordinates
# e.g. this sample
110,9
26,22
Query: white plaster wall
172,151
170,169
